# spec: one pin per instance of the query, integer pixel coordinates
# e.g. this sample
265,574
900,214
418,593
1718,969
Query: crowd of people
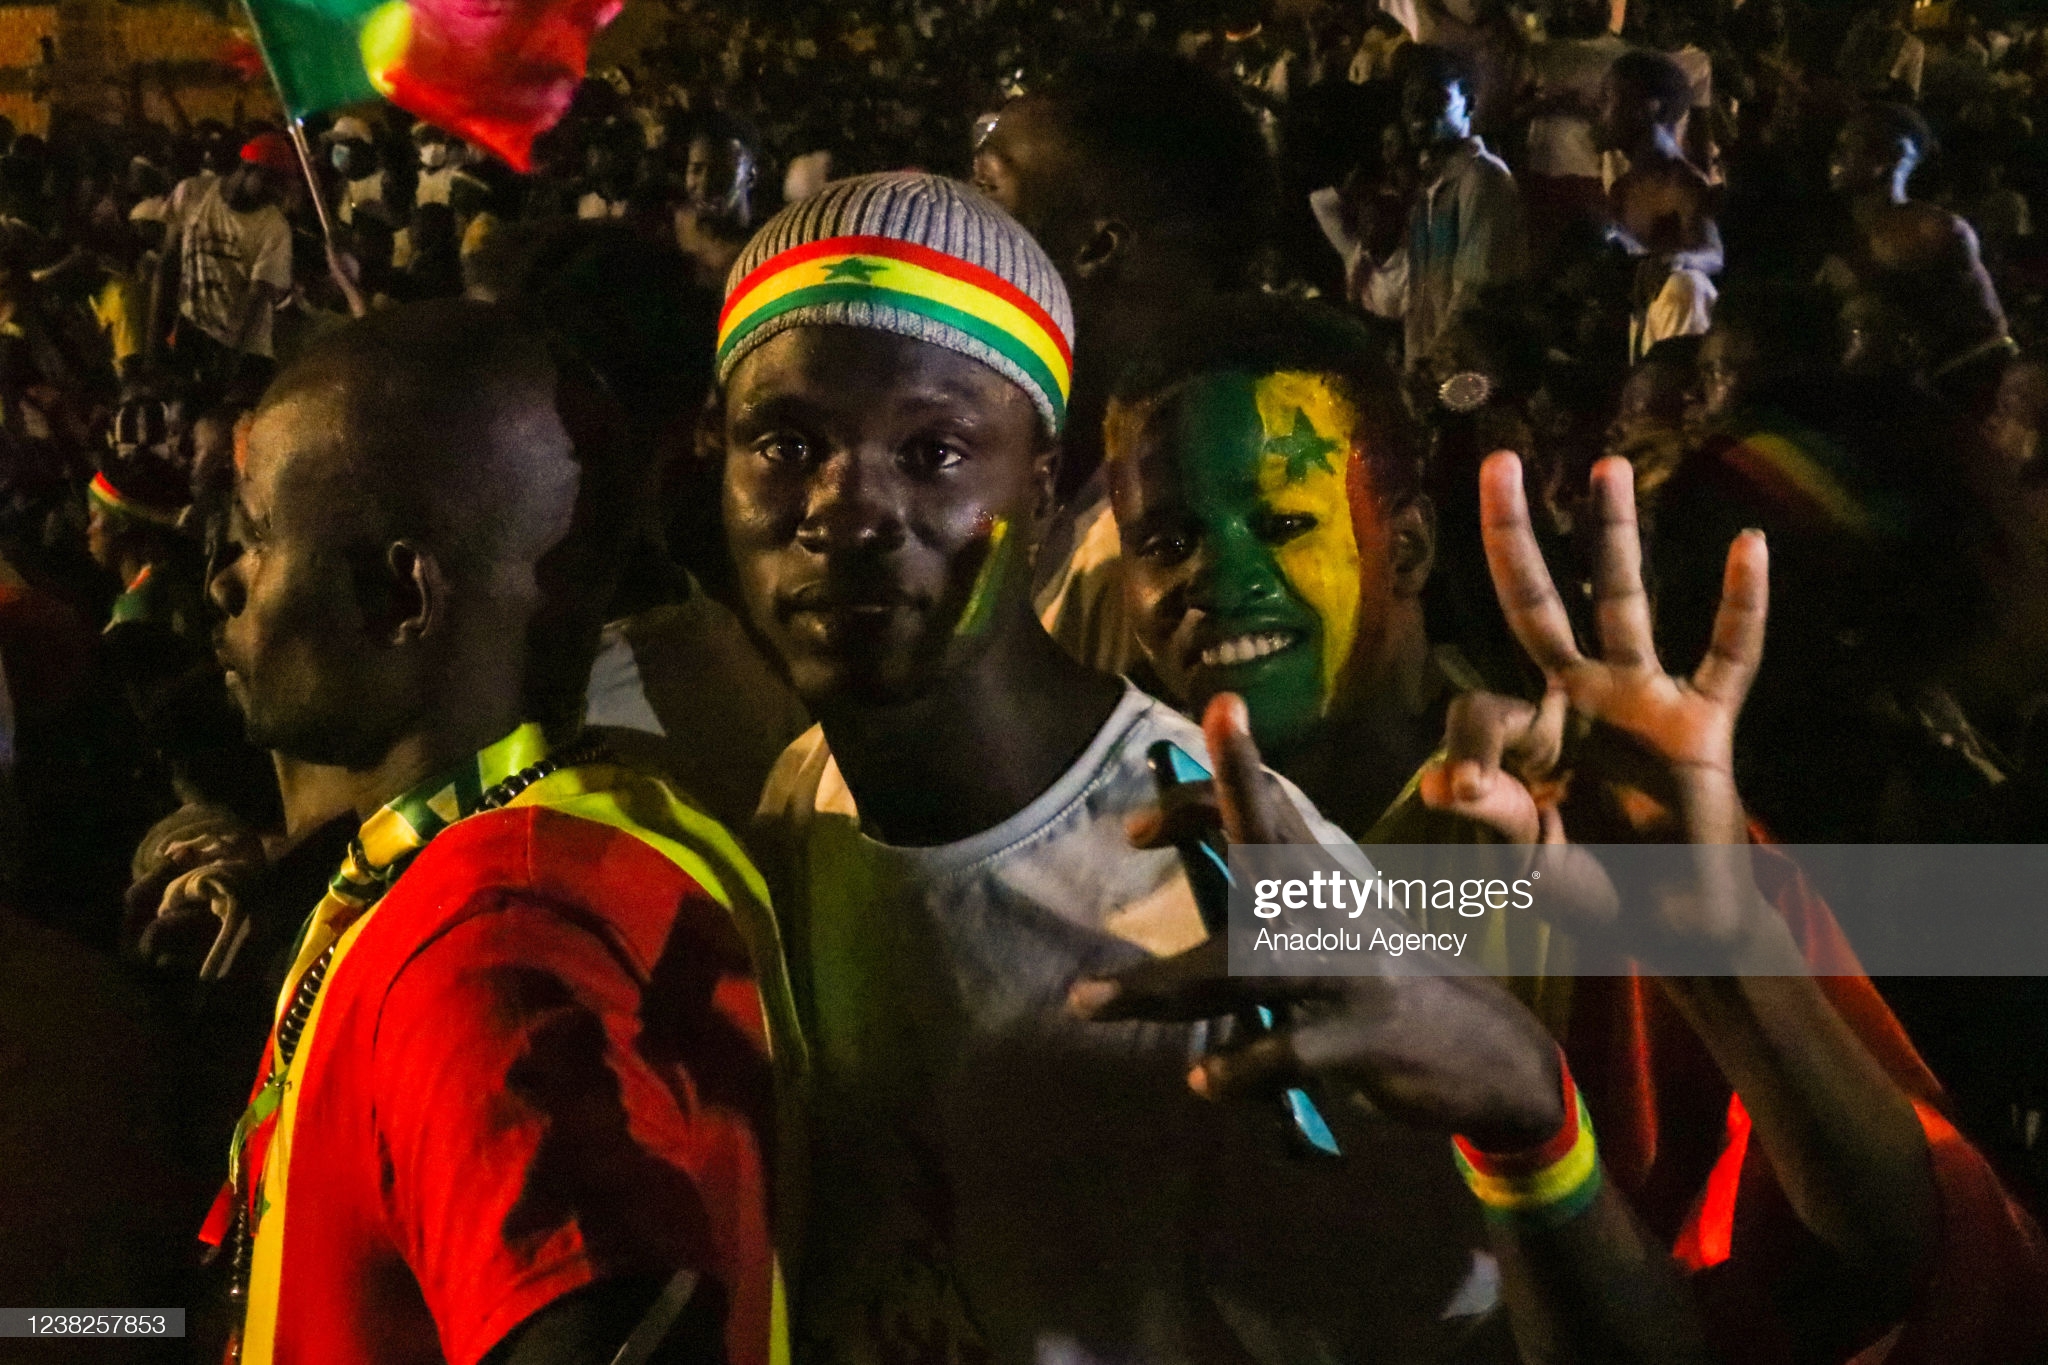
720,601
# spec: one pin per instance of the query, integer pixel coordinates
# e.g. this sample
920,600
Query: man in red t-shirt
519,1102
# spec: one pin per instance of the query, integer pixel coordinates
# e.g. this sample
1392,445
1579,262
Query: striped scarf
379,854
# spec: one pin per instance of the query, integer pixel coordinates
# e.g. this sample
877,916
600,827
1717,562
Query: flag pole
297,126
297,129
357,307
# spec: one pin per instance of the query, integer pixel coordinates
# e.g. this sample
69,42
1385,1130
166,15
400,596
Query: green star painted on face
1303,448
856,269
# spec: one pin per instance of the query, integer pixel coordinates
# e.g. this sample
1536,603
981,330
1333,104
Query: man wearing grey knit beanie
994,1176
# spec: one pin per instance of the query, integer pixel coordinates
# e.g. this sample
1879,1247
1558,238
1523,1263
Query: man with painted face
1921,259
520,1094
993,1176
1224,506
1266,479
1466,233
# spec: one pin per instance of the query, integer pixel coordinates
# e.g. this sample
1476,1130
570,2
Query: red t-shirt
541,1064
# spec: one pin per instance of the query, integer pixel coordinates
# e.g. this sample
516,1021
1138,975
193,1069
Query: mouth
1235,651
844,615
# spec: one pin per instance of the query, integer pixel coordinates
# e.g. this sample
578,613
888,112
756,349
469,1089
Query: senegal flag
498,72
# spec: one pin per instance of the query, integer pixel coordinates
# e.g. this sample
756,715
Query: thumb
1242,792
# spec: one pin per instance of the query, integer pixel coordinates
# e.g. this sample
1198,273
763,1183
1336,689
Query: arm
163,286
536,1153
1452,1053
261,297
1491,248
1841,1134
591,1326
270,279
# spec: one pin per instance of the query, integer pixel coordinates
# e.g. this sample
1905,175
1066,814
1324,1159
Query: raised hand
1451,1053
1653,753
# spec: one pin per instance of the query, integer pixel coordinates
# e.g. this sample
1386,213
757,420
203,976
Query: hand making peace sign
1655,757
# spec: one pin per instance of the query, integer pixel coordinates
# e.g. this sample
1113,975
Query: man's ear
1411,544
410,598
1103,250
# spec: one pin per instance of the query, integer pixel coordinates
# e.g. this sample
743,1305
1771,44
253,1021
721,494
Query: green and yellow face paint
1265,463
979,616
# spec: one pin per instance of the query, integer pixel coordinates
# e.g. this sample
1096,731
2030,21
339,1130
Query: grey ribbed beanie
915,254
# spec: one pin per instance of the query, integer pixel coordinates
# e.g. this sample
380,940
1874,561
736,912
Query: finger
1188,811
200,848
1192,985
1497,751
1260,1067
172,924
1737,647
1521,580
1247,797
1478,728
1621,608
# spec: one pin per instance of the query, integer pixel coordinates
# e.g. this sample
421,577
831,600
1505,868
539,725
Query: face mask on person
346,159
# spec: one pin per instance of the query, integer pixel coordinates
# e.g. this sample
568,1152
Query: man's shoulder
1485,170
1108,776
622,863
1918,234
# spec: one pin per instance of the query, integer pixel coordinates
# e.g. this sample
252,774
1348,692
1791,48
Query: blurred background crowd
1780,243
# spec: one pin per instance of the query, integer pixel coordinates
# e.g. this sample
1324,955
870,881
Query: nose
850,509
1238,578
224,581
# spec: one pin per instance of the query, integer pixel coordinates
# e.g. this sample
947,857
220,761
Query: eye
926,458
240,530
1166,547
783,448
1277,528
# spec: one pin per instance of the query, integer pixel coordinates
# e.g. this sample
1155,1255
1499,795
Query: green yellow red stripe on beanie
886,272
1805,476
102,491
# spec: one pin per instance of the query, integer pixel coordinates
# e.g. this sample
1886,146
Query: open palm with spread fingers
1653,753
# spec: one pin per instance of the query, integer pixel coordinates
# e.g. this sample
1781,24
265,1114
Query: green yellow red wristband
1547,1185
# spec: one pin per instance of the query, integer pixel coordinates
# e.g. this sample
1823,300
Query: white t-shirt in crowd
995,1180
433,185
223,253
1699,73
367,189
704,709
1562,144
1684,307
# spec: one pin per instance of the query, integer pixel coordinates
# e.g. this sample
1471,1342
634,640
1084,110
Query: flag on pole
498,72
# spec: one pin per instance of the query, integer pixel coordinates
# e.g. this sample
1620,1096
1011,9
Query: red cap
271,151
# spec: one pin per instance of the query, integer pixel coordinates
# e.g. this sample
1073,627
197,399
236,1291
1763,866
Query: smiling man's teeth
1243,649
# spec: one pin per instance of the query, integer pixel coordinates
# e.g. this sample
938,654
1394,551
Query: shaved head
436,423
431,505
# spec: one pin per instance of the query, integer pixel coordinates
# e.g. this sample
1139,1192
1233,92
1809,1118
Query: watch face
1466,391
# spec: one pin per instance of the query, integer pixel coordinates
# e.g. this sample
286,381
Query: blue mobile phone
1207,864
